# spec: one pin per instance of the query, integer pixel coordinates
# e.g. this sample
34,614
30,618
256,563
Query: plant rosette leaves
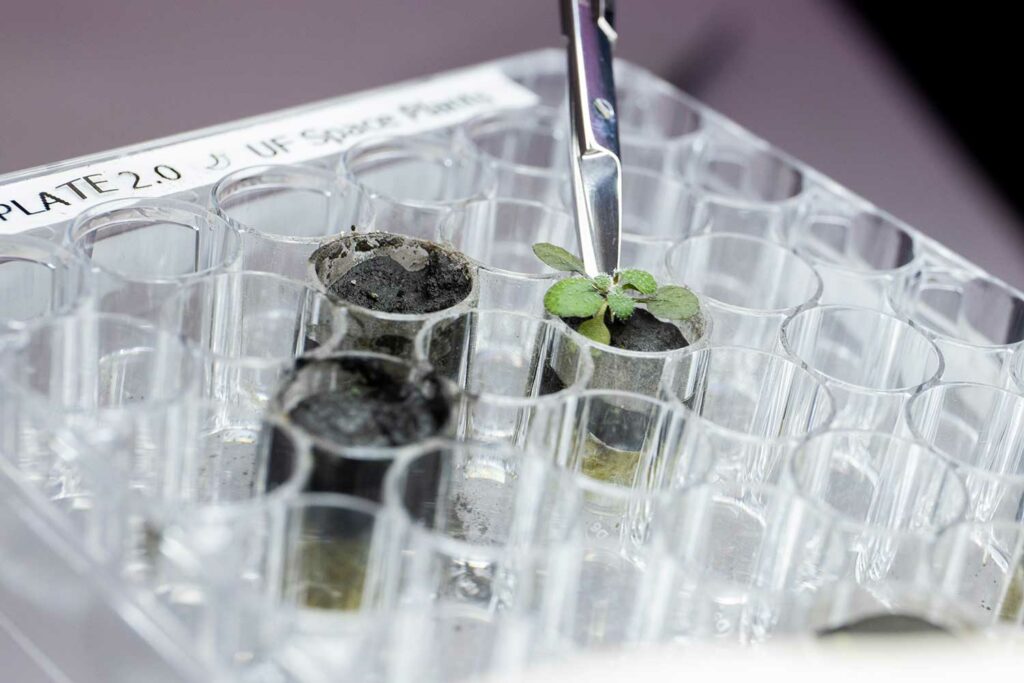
640,280
595,330
558,258
574,297
621,305
618,294
673,302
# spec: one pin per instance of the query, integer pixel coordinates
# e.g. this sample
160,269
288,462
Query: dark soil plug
383,284
368,406
642,332
363,401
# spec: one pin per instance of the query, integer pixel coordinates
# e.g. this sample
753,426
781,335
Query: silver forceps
594,154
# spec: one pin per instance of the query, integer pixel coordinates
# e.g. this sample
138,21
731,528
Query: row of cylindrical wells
271,218
872,484
740,370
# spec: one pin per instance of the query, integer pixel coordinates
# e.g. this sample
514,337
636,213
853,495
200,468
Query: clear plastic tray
80,622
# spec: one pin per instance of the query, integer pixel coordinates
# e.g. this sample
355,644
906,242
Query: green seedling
614,296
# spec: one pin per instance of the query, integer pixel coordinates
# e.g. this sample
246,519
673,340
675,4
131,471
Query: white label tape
439,102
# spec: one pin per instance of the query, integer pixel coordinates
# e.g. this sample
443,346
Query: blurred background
902,108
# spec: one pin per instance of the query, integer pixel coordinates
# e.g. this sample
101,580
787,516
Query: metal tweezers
594,154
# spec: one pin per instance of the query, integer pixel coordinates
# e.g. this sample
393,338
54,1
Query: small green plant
616,295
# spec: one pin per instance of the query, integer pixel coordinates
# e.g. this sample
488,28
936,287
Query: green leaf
621,305
595,329
574,297
640,280
558,258
602,282
673,302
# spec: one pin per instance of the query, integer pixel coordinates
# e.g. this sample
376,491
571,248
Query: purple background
84,77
